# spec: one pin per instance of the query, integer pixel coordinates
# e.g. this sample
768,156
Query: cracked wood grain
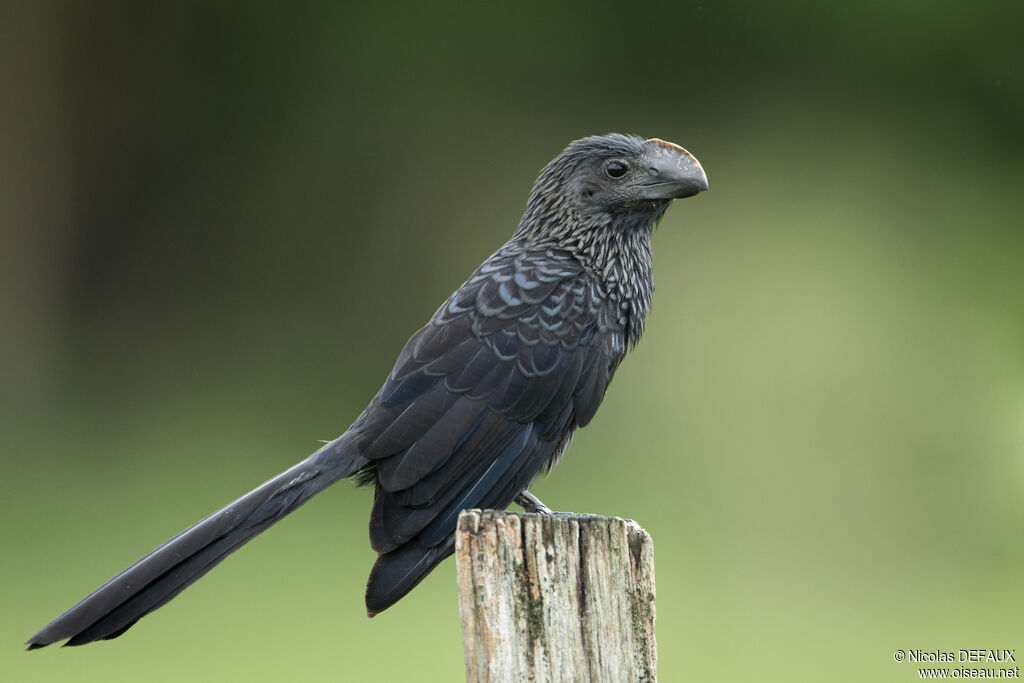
555,597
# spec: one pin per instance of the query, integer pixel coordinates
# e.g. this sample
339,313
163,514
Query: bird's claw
531,503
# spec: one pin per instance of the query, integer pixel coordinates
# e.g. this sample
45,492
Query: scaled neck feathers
614,247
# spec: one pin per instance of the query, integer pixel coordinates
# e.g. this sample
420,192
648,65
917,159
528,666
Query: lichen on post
555,597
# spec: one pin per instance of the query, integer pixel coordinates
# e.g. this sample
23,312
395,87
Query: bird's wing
485,395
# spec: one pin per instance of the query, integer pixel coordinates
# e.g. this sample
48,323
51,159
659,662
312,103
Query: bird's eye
615,168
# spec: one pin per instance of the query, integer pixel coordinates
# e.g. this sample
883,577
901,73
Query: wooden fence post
555,598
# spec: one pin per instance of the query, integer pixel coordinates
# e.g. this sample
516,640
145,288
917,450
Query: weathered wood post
555,597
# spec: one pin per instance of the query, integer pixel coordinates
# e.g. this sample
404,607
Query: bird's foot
531,503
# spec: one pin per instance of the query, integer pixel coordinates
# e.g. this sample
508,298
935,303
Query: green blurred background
220,222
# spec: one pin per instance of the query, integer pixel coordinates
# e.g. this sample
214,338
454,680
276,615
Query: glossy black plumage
481,399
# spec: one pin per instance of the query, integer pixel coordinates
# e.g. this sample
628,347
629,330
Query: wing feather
486,395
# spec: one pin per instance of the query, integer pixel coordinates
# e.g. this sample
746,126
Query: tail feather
153,580
161,590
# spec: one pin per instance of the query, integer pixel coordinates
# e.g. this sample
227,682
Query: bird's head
611,181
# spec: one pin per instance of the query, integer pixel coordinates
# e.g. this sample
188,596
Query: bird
481,400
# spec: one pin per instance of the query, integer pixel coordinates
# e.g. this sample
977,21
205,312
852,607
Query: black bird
481,400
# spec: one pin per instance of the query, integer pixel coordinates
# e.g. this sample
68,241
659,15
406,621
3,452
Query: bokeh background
221,221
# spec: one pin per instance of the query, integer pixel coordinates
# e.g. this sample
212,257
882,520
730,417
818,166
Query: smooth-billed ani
482,399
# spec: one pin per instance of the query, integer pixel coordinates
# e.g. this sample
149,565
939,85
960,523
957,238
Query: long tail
112,608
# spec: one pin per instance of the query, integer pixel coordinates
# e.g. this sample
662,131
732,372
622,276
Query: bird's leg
531,503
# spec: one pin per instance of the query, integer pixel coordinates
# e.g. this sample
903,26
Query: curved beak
672,172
